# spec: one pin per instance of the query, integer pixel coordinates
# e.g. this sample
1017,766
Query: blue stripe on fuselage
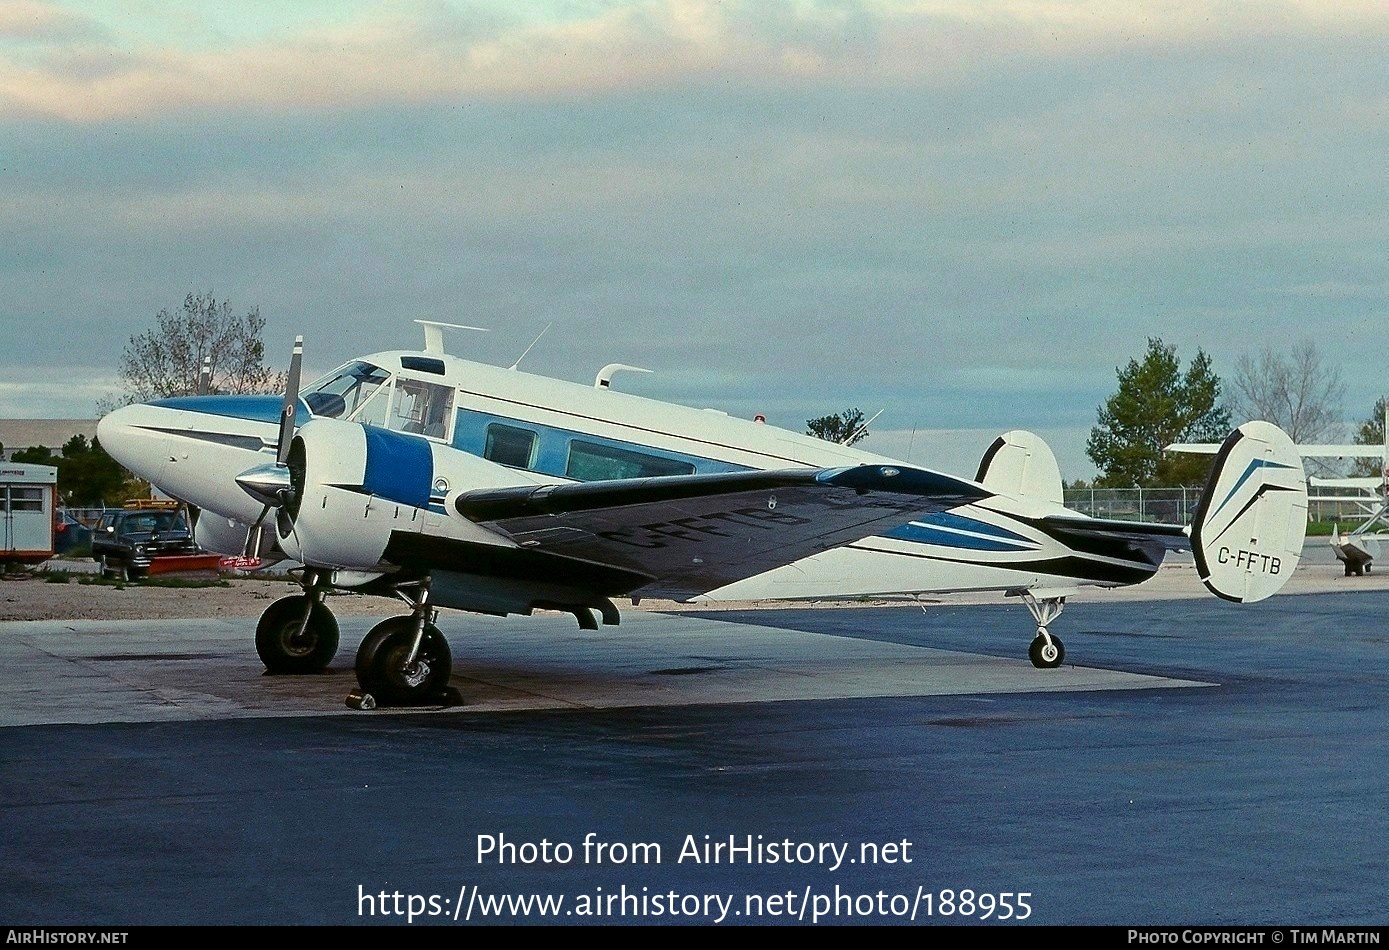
935,528
399,467
254,408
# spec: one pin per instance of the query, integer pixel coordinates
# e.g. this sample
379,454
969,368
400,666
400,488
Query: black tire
1045,659
381,664
280,647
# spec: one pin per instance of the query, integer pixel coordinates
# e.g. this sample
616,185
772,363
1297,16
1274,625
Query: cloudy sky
964,212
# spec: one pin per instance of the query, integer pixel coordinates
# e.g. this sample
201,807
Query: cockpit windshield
339,394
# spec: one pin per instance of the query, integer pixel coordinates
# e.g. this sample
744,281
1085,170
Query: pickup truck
135,541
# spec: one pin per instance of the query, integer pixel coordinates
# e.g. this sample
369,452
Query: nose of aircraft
134,436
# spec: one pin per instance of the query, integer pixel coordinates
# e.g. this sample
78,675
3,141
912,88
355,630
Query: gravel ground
31,597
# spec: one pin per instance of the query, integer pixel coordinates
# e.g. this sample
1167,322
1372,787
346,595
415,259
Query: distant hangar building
16,435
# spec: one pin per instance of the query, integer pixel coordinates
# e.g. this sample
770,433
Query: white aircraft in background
449,483
1358,548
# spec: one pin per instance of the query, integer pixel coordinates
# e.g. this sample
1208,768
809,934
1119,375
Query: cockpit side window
421,407
339,394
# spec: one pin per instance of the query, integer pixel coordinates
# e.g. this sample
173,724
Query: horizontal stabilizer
1306,451
1368,483
1248,531
1158,537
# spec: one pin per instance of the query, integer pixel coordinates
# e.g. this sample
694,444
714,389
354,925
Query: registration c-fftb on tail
449,483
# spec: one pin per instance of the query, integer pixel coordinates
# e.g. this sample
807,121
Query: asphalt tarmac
1195,763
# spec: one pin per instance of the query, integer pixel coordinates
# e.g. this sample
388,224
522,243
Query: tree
168,360
1301,393
846,427
1157,404
34,455
88,477
1371,432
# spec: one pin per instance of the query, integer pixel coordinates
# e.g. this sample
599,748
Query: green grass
97,580
1322,529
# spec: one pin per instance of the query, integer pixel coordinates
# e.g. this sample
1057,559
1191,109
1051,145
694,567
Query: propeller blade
250,549
291,404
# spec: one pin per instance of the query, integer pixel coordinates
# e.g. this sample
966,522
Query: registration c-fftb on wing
449,483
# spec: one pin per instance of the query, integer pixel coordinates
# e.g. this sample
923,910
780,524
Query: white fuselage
486,427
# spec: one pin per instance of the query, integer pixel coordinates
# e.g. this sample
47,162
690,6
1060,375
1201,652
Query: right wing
688,534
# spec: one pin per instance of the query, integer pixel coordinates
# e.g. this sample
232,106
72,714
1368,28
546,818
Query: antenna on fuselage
605,375
533,343
849,439
434,334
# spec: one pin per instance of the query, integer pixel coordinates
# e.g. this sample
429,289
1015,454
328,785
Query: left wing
688,534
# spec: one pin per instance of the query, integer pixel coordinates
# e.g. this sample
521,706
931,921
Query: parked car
132,541
69,534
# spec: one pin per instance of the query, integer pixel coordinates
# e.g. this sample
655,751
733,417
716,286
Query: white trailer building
28,497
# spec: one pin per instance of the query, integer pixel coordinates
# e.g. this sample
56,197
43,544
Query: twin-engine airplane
455,484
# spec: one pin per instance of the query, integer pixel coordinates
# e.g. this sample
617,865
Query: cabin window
592,462
508,445
421,407
339,394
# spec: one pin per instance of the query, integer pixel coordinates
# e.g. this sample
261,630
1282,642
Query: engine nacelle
356,486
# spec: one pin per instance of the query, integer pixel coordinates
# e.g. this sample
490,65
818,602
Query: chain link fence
1177,505
1162,505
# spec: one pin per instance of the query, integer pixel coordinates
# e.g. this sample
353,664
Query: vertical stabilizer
1021,463
1248,531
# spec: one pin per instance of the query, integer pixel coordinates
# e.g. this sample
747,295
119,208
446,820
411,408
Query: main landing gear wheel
384,674
1046,651
281,645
